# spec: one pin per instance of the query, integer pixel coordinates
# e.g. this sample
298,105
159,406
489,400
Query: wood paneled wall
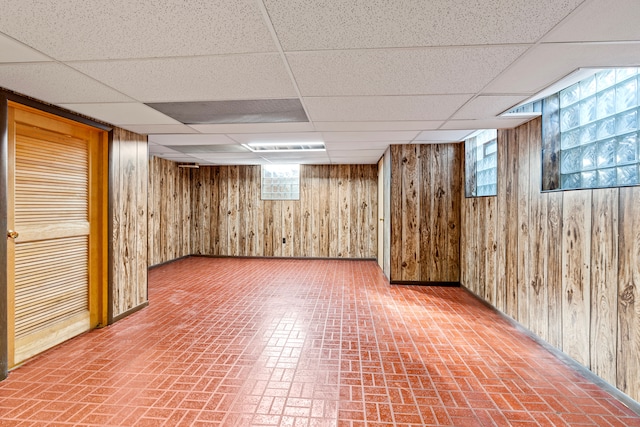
128,163
426,190
221,209
169,211
566,265
335,216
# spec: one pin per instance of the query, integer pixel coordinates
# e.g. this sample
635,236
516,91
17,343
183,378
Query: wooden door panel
50,260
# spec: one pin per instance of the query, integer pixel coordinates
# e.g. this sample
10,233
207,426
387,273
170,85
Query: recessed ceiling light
264,147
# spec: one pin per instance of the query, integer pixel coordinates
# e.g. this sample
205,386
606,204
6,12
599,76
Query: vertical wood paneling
554,268
308,236
223,212
129,201
490,246
334,208
539,314
628,363
214,210
170,231
344,203
410,213
604,276
583,258
512,224
395,216
425,212
502,224
523,250
142,196
222,207
387,213
288,226
233,199
453,183
576,254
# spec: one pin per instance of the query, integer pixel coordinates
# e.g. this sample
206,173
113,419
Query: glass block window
481,164
599,131
280,182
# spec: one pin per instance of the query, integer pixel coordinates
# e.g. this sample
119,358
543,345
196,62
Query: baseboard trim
129,312
282,257
168,262
622,397
425,283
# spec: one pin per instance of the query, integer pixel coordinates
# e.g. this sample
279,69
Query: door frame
5,97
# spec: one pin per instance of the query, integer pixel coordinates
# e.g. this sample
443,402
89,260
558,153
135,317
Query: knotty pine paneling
221,207
426,187
169,215
567,263
128,162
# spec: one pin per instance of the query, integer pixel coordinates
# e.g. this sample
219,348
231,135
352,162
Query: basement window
280,182
591,132
481,164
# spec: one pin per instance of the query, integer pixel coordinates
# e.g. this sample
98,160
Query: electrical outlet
284,240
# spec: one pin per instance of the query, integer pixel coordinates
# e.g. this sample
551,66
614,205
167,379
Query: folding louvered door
52,261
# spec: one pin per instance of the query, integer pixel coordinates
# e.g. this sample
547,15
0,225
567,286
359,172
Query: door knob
12,234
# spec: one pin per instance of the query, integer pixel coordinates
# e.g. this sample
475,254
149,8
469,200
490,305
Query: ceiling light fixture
266,147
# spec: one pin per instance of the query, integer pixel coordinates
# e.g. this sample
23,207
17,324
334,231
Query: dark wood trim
111,168
129,312
4,145
171,261
422,283
277,257
563,357
52,109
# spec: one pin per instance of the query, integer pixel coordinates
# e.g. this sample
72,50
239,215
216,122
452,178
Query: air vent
216,148
266,147
239,111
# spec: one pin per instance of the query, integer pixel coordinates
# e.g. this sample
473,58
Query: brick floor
270,342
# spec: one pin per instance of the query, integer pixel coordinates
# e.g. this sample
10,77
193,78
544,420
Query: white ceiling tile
75,29
158,129
358,153
55,83
208,78
191,139
161,149
400,71
245,138
253,127
547,63
376,126
178,157
360,145
486,106
369,136
444,135
235,162
14,51
213,157
327,24
122,113
278,156
600,20
355,160
497,123
372,108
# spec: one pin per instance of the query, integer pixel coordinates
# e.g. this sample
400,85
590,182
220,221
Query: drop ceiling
366,74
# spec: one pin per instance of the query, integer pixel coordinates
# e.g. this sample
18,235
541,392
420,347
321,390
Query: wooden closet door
50,261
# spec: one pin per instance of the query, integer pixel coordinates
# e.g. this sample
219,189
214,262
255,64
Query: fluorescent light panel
266,147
